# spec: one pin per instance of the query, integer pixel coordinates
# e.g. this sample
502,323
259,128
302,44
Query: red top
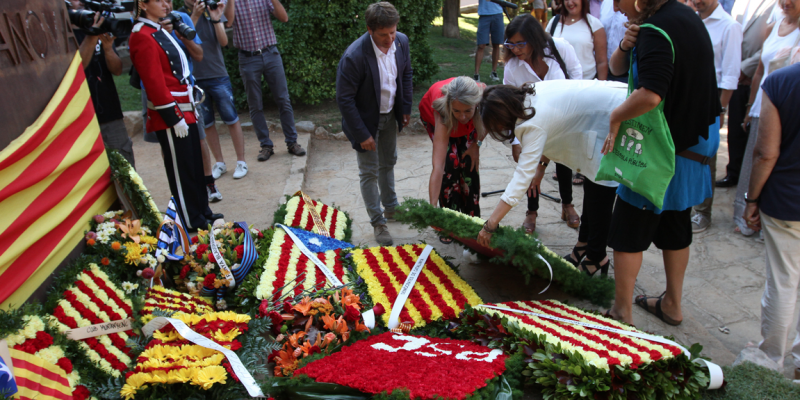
426,109
154,69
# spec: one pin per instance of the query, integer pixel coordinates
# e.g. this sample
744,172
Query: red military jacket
164,71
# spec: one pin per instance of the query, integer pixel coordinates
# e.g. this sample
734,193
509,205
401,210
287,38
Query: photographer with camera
209,19
100,62
164,70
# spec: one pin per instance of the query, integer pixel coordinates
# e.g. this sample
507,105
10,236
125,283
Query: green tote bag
643,158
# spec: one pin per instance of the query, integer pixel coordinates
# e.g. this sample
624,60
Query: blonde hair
465,90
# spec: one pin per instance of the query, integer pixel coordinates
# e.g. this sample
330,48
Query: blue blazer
358,89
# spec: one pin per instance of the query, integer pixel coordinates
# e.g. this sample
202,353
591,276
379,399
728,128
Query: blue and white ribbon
172,235
250,254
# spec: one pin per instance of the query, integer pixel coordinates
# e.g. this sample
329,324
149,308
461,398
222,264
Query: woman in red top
448,110
164,71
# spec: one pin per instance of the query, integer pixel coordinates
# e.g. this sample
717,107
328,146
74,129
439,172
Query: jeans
376,171
270,65
219,91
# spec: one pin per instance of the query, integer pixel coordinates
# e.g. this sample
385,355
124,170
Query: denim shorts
220,92
490,25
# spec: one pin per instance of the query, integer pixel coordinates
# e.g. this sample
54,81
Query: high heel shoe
574,258
573,220
602,268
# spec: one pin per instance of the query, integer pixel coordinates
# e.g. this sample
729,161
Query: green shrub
318,33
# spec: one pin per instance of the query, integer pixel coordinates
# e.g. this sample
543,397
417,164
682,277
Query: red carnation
201,249
351,314
287,307
211,257
184,271
263,308
277,321
195,239
81,393
148,273
238,231
209,280
378,310
228,367
65,364
260,235
239,251
43,340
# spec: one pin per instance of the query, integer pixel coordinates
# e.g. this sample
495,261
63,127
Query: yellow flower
148,240
181,375
128,392
134,253
137,380
208,376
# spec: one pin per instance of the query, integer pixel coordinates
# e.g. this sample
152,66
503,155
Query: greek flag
172,234
250,253
8,385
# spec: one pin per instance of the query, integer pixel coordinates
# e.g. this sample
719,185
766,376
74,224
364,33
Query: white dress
772,45
582,40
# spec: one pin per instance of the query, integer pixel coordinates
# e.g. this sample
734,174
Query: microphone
505,4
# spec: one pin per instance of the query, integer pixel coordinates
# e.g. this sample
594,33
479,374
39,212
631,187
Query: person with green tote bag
672,119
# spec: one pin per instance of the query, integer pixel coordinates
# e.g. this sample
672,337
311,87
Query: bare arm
600,51
765,155
441,139
725,97
197,11
620,60
638,103
113,61
219,28
755,85
279,12
194,49
230,8
87,50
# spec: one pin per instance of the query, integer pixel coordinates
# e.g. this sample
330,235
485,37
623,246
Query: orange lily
341,328
304,305
349,299
361,327
330,322
131,229
294,339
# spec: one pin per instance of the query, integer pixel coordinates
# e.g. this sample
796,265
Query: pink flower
99,219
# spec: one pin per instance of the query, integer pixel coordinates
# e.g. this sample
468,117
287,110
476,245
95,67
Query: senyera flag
53,178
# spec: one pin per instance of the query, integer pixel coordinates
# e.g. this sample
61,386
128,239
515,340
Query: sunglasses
511,46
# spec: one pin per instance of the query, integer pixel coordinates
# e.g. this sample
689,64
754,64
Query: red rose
238,231
378,309
201,249
263,308
208,282
184,271
148,273
195,239
351,314
211,257
260,235
81,393
288,308
65,364
239,251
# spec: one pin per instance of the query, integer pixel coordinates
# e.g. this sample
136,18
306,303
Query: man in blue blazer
373,91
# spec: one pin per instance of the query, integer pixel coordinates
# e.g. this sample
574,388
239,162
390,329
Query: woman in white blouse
785,33
586,34
566,121
532,56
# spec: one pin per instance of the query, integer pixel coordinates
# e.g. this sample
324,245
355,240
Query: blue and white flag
172,235
249,256
8,385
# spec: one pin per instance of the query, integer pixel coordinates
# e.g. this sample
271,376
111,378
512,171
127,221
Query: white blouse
570,127
579,36
517,72
772,45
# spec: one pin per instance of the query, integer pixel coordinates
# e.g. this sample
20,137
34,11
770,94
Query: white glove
181,129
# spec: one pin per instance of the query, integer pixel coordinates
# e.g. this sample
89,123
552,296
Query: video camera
211,4
84,19
177,24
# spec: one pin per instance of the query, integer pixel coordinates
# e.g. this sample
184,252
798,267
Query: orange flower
304,305
294,340
116,246
307,348
285,362
105,261
330,322
361,327
342,329
349,299
90,242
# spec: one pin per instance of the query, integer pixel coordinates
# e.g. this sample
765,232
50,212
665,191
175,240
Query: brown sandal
573,220
530,227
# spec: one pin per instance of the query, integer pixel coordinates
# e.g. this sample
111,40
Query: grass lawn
749,381
452,55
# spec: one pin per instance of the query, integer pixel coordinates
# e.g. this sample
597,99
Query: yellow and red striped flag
38,379
53,178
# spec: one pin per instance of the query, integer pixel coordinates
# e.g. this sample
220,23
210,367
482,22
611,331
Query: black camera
211,4
84,19
177,24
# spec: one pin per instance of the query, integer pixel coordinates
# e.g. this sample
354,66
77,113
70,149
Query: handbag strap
554,23
557,55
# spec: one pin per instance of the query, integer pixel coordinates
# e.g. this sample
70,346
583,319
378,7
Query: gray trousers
376,171
270,65
115,136
744,180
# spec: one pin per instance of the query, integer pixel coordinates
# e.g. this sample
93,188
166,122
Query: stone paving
723,284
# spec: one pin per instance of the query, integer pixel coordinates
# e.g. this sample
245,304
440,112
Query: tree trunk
450,13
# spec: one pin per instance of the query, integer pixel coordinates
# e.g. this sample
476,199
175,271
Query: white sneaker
241,170
218,169
213,193
700,223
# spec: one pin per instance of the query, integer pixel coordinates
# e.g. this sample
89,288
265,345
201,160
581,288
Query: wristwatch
542,163
215,21
724,110
749,200
620,47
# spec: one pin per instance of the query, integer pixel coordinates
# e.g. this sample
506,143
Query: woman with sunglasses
532,56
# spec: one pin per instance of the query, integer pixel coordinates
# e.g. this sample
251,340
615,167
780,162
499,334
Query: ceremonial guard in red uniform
164,72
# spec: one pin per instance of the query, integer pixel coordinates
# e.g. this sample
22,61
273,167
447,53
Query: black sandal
602,268
574,258
578,180
641,301
445,240
530,228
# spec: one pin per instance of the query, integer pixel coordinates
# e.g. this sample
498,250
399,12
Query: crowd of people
568,86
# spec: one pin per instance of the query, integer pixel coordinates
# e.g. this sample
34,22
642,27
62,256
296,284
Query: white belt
182,106
187,107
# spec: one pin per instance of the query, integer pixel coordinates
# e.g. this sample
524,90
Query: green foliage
109,389
520,250
751,381
122,172
11,320
319,32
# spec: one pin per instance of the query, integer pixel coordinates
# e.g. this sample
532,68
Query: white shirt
387,69
570,126
582,40
726,37
614,23
772,46
517,72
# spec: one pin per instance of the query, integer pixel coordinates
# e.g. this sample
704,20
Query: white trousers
782,242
